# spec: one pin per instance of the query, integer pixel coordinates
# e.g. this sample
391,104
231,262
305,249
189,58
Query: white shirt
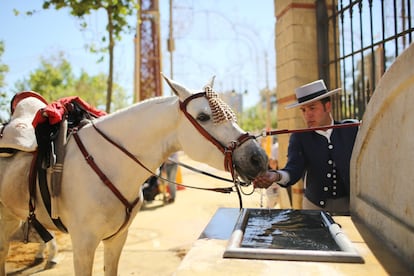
275,151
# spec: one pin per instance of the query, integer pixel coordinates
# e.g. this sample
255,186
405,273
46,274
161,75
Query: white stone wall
382,165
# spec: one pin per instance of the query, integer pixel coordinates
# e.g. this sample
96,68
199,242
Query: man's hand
266,179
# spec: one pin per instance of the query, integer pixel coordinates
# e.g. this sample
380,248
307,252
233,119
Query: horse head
207,115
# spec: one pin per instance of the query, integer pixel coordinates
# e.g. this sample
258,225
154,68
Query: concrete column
296,64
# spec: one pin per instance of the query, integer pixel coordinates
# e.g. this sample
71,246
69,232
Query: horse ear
177,88
211,82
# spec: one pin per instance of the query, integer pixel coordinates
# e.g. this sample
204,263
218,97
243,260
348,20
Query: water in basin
287,229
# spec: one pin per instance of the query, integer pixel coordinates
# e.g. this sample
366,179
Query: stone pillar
296,64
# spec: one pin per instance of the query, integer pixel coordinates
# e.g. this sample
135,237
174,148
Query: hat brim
330,93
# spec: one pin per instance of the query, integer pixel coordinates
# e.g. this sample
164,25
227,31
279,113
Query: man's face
316,114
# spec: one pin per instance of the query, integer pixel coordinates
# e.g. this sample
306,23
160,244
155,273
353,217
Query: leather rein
226,150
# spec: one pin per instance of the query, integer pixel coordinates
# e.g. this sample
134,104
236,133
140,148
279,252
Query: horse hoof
38,261
50,264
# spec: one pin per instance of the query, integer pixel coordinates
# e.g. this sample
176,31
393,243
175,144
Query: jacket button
325,188
322,202
330,147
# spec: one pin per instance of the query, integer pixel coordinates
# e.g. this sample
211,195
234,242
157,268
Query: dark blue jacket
325,165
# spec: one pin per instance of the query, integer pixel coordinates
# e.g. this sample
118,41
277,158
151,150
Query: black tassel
40,229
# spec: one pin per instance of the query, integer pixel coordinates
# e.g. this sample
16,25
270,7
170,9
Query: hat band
311,96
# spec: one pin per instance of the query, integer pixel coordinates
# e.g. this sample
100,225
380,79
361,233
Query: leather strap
44,192
89,159
31,219
287,131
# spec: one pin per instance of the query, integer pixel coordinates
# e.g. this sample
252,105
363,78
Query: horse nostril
257,161
254,160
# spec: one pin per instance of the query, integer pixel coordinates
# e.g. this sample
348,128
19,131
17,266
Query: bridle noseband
226,150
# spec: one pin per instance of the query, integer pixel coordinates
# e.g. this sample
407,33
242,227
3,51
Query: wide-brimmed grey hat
311,92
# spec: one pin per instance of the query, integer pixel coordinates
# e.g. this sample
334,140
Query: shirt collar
326,133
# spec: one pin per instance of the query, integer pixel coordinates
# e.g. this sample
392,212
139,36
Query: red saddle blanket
54,112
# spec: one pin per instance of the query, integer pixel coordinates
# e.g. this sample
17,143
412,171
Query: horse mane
142,105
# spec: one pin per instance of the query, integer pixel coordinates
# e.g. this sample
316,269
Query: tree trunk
111,62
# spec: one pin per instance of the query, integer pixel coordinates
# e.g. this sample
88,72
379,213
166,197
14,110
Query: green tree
117,12
54,79
92,90
3,95
254,119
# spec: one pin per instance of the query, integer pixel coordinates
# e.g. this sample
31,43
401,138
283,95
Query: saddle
18,134
31,115
42,128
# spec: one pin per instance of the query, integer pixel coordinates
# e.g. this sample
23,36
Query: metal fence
367,36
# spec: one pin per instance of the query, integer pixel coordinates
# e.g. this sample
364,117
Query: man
321,158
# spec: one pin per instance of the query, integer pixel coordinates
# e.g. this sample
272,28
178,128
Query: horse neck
146,129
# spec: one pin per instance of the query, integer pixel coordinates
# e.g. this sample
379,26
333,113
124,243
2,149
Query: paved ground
160,235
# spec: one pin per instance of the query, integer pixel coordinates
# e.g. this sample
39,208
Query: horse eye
203,117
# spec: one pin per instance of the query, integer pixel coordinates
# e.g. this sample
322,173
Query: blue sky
226,38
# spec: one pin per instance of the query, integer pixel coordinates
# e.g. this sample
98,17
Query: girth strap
31,219
44,191
89,159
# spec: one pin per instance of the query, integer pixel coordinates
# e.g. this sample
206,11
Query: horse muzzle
249,160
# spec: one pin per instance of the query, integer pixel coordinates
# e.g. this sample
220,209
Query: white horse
147,132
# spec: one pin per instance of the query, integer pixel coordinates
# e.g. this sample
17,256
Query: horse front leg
8,225
112,253
84,248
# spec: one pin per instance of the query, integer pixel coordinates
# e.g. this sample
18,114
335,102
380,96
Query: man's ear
328,106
